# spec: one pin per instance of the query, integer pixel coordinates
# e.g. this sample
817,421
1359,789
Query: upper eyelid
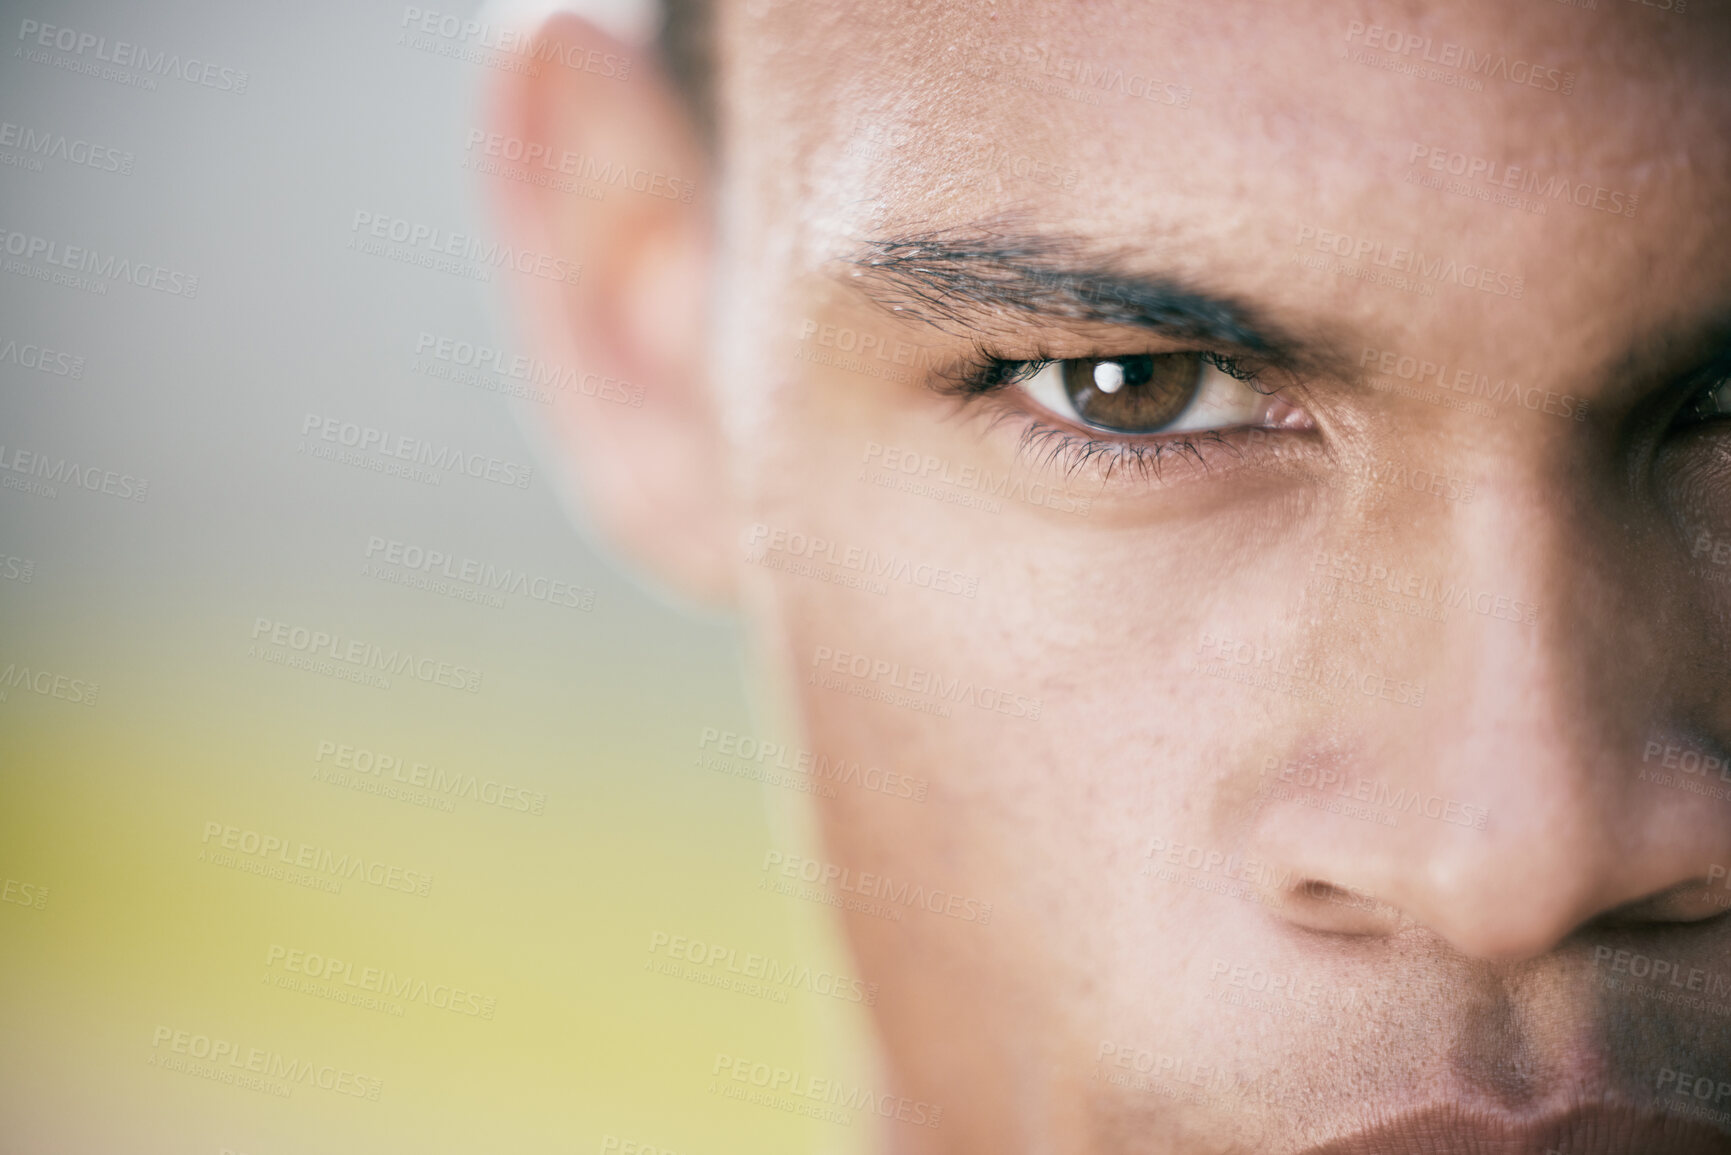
1105,346
1012,371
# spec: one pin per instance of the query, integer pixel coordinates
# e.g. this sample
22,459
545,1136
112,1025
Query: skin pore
1361,692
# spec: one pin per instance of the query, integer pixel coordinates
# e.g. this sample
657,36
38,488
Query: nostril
1322,891
1319,905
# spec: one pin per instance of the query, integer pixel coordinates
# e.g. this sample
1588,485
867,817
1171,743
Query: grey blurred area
194,240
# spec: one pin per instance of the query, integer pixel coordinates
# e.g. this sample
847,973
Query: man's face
1354,750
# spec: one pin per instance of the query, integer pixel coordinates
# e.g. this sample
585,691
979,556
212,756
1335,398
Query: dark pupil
1157,388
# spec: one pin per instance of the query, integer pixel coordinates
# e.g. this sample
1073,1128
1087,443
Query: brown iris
1139,394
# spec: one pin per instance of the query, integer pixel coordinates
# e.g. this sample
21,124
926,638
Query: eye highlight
1710,403
1149,393
1130,413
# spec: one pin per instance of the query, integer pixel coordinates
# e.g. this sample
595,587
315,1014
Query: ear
599,164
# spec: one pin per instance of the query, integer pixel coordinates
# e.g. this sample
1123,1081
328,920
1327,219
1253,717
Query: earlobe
617,189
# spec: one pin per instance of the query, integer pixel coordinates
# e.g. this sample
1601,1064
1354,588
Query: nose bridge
1538,710
1541,673
1542,686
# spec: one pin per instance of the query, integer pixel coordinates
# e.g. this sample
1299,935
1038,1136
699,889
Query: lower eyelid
1071,451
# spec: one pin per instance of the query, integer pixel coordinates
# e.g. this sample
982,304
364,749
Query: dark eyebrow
955,281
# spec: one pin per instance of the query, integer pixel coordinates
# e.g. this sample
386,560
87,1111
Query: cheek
946,615
1056,709
1055,716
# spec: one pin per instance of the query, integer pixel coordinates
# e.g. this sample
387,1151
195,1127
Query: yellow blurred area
222,870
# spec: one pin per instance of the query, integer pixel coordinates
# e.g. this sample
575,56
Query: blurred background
349,800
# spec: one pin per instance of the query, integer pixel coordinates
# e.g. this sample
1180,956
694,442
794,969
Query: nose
1521,805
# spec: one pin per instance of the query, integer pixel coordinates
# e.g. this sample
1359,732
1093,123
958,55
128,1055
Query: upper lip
1588,1129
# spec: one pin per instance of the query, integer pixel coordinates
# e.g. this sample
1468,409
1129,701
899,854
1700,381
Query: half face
1261,465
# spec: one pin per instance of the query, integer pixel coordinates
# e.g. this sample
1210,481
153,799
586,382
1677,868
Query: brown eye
1143,393
1148,393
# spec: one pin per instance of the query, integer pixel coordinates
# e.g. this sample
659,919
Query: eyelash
984,374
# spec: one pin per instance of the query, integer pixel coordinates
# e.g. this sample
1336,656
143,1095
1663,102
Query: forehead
1217,141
